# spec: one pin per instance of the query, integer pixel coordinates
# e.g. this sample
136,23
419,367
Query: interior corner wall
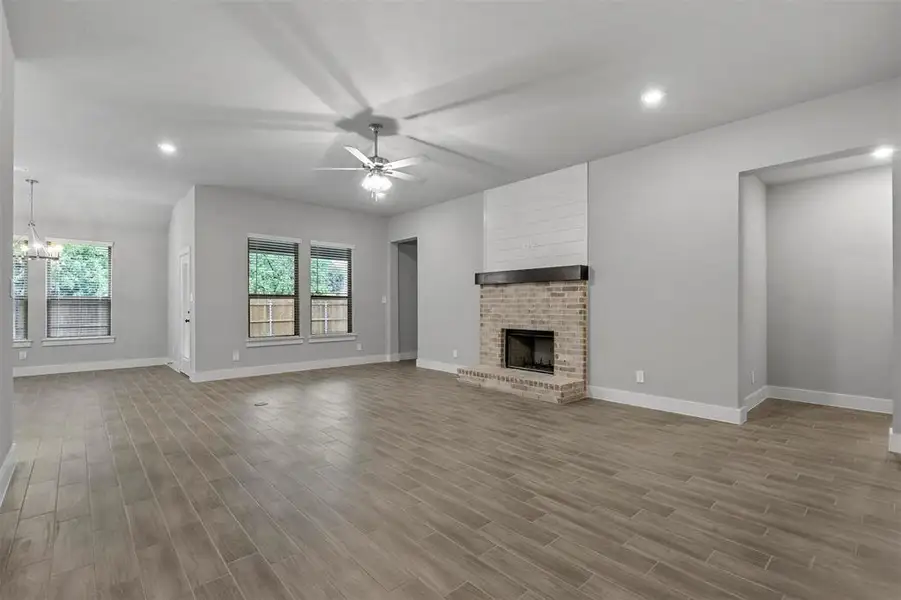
449,254
663,225
752,298
224,217
829,249
181,238
7,68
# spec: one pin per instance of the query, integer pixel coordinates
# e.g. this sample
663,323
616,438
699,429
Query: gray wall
663,241
752,298
829,249
449,238
138,293
224,218
896,266
181,237
7,69
407,290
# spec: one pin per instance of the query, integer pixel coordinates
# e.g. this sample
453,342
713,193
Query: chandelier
34,247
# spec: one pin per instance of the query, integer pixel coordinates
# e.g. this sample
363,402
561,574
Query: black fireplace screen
529,350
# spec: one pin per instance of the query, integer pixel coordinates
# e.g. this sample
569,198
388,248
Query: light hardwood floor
388,482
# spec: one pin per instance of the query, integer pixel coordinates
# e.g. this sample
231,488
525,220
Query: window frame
275,340
350,334
108,338
23,341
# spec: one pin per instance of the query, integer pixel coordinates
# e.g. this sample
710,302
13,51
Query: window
20,298
331,304
78,291
272,295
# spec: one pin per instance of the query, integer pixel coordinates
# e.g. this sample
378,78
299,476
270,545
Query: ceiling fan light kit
379,169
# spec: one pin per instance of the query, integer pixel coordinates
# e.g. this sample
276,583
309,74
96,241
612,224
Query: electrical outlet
639,376
23,354
455,354
753,376
359,347
236,356
384,299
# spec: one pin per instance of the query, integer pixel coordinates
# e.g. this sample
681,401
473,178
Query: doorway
407,304
185,316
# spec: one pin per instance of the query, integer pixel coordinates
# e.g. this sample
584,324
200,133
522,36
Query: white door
184,270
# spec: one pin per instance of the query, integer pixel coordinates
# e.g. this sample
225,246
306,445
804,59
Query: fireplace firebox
529,350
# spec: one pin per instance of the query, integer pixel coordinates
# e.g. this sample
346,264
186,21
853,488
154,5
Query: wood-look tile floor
387,482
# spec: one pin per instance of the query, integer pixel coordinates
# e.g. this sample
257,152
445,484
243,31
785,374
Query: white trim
310,365
81,242
713,412
435,365
332,245
752,400
6,471
275,238
103,365
290,340
894,441
81,341
342,337
21,343
866,403
398,356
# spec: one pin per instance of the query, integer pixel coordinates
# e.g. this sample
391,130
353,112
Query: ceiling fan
379,169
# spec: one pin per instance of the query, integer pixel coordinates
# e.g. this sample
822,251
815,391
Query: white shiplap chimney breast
538,222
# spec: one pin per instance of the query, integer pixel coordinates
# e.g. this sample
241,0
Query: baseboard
103,365
689,408
894,441
398,356
435,365
6,471
752,400
276,369
866,403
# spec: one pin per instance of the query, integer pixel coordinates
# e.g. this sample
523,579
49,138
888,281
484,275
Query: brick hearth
561,307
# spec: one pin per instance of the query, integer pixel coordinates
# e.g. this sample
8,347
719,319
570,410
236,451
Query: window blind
331,290
272,307
20,297
78,292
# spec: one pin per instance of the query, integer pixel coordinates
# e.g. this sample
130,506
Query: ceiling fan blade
360,156
403,176
340,169
406,162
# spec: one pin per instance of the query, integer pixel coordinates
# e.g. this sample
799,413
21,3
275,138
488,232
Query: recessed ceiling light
167,148
653,97
883,152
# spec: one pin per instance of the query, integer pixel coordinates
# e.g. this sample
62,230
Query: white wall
181,238
752,299
663,241
407,291
7,69
224,218
138,285
829,250
449,240
538,222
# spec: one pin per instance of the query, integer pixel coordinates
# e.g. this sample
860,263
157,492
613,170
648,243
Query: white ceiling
819,168
257,94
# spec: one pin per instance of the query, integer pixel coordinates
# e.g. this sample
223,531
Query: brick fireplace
542,301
